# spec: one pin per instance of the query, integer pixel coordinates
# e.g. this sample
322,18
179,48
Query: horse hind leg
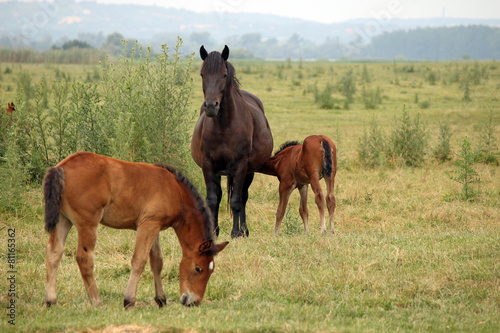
156,263
54,252
330,200
319,199
87,235
303,210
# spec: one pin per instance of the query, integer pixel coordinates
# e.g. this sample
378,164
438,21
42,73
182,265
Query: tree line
443,43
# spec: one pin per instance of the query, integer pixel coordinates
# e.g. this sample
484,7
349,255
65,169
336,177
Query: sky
330,11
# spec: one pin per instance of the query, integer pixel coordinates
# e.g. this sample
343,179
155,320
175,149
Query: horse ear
221,246
205,246
225,53
203,53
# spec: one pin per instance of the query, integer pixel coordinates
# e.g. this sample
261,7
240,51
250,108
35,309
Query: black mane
213,63
285,146
200,203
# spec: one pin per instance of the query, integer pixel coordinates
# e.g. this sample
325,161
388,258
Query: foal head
198,248
195,270
218,77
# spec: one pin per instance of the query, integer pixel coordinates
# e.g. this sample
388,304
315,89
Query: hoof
127,304
161,301
50,303
239,233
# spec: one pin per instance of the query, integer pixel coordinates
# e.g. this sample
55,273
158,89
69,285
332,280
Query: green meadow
410,252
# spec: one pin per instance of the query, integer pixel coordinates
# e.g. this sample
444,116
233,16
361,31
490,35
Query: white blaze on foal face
211,266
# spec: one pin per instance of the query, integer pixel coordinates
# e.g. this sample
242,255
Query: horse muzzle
211,108
190,299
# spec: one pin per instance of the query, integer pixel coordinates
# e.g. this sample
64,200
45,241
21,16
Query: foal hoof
49,303
161,301
127,304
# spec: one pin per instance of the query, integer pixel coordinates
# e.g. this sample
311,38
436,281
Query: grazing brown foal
297,165
86,189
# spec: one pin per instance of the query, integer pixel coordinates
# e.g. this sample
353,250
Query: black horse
231,138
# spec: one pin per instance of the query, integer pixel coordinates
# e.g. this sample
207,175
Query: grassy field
408,254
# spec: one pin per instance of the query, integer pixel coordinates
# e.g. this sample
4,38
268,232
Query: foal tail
327,158
53,185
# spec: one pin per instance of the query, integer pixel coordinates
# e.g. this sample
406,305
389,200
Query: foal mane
213,63
285,146
200,203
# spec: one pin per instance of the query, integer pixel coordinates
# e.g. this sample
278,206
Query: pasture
408,254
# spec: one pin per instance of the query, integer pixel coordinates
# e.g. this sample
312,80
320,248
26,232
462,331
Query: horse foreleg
319,199
330,199
156,262
85,258
236,202
303,210
54,252
146,235
244,199
285,191
214,195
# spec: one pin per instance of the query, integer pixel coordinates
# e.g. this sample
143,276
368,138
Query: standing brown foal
297,165
86,189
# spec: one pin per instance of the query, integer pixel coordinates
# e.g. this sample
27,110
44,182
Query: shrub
138,111
487,150
347,87
465,173
443,152
409,139
425,104
324,98
371,146
371,98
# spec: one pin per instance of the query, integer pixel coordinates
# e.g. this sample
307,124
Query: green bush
324,98
138,112
465,173
347,87
371,146
409,139
371,98
443,151
487,150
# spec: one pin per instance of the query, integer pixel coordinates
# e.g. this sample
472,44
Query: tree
76,43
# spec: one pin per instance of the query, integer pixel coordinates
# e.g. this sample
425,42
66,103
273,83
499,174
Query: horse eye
197,269
225,76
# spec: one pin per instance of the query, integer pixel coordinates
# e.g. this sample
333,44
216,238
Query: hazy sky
329,11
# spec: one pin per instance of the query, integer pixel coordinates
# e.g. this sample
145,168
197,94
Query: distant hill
40,25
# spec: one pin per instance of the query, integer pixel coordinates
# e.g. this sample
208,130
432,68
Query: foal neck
269,167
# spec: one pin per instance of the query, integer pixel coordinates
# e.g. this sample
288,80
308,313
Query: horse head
216,74
195,270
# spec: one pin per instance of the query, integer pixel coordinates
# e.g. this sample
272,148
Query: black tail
53,185
327,158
